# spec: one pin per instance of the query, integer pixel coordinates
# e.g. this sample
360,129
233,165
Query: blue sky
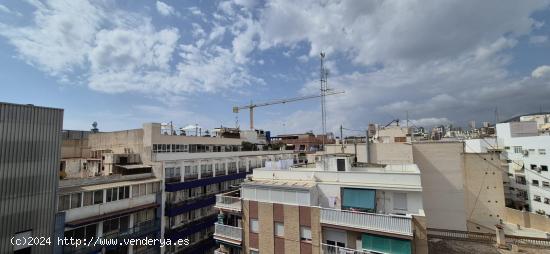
123,63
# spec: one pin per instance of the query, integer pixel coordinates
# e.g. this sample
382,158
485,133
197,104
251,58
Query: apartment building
192,170
29,161
349,208
528,153
114,207
303,144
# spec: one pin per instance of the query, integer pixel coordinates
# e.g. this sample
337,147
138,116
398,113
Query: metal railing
332,249
525,241
229,232
218,251
233,203
395,224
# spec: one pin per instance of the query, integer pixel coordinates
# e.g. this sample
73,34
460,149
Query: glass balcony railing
228,232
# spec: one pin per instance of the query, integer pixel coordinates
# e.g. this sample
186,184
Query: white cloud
165,9
541,72
195,11
538,39
62,35
118,51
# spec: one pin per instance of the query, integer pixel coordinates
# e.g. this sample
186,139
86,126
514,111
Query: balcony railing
228,232
226,202
394,224
218,251
332,249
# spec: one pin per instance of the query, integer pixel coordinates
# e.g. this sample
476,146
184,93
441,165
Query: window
64,202
305,233
98,197
254,252
112,194
123,192
279,229
543,168
546,200
142,189
535,182
545,184
518,149
542,151
254,227
85,232
536,198
400,201
533,166
88,198
76,200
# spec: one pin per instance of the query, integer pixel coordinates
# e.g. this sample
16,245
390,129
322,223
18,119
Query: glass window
98,197
76,200
279,229
88,198
542,151
112,194
305,233
254,227
121,192
142,190
518,149
135,190
64,202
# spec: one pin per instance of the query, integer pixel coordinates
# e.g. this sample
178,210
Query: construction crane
251,106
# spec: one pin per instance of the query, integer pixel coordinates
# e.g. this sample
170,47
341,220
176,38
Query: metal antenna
323,79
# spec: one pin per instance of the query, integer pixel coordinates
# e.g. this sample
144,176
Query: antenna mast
323,80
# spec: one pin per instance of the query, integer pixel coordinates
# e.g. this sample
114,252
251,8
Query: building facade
192,170
29,161
345,209
527,151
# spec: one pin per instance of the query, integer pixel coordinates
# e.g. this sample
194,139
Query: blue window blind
384,244
359,198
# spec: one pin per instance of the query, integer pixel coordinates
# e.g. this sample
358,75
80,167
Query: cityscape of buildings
389,189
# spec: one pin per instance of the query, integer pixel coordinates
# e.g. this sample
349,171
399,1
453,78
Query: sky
124,63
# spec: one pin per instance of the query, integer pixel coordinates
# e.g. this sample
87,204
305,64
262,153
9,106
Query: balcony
332,249
228,233
223,201
393,224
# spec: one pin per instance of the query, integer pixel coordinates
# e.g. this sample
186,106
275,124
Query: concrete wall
479,145
527,219
441,167
30,147
483,188
75,148
391,153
